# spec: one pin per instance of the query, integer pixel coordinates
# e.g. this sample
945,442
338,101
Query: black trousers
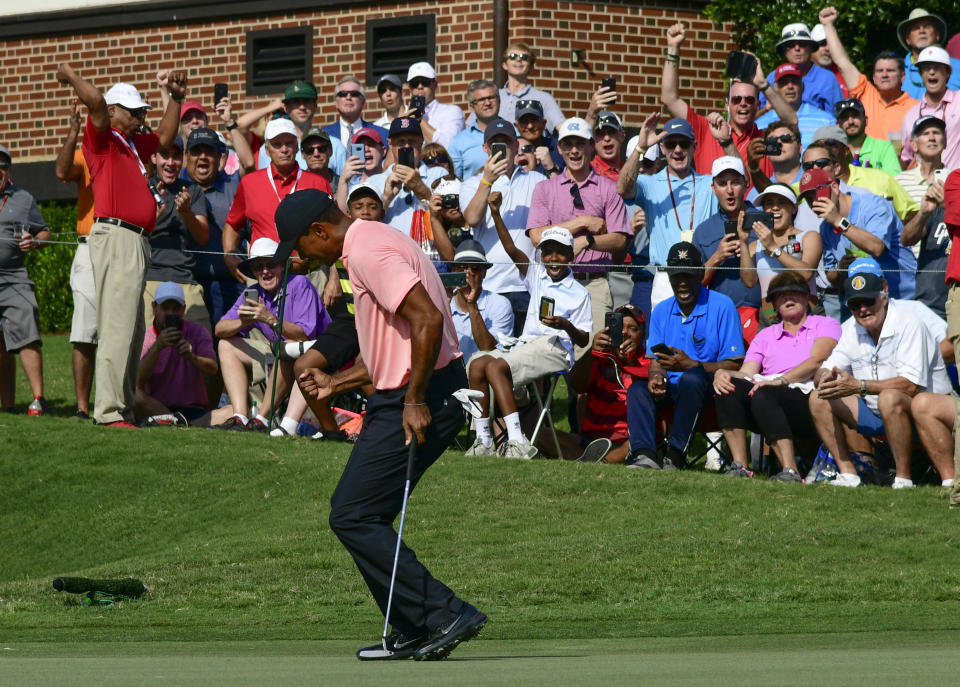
370,495
777,412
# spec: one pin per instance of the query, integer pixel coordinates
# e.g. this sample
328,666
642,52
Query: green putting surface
867,658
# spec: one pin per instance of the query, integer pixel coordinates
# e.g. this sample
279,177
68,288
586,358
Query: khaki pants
119,258
601,302
195,309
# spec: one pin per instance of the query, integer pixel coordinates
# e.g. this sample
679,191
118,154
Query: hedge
50,268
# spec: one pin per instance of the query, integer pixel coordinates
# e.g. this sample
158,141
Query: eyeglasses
523,56
350,94
575,194
438,159
672,143
420,82
261,265
486,99
748,99
819,163
784,138
526,149
312,150
139,112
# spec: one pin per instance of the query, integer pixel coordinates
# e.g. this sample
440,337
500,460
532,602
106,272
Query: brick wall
620,39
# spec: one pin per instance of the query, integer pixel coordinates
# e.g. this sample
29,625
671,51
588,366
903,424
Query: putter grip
411,457
129,586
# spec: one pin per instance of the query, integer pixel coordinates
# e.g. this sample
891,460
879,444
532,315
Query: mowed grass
690,571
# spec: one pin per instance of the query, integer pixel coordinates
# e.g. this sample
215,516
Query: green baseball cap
300,89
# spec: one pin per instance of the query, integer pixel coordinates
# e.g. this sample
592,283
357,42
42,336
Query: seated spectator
176,356
532,127
349,99
315,148
435,155
867,152
768,394
466,148
608,138
886,355
481,318
819,86
937,100
390,92
518,61
22,229
789,82
559,320
604,378
883,97
928,139
729,251
248,330
919,31
702,331
935,416
356,170
439,122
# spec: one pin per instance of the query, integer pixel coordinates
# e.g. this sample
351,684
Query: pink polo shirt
777,351
384,265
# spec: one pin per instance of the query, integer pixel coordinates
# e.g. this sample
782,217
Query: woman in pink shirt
769,393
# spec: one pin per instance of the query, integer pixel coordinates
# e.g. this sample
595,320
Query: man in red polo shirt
743,103
125,211
260,192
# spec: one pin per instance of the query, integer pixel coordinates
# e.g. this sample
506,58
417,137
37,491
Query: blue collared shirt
551,111
653,195
707,238
467,153
820,89
219,196
497,314
710,333
809,119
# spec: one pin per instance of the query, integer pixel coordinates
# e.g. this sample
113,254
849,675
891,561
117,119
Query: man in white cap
939,101
439,122
921,30
125,212
820,87
260,192
822,58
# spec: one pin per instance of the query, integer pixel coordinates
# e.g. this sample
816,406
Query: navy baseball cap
526,107
679,127
405,125
203,137
294,216
498,126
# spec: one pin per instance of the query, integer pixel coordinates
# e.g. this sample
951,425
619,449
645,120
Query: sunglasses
311,150
819,163
139,112
349,94
748,99
523,56
684,143
575,194
785,138
260,265
486,99
438,159
855,304
420,82
526,149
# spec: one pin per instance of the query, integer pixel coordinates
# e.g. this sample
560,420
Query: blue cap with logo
679,127
498,126
405,125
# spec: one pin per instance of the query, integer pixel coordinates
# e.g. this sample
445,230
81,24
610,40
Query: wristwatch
724,144
590,240
778,252
765,86
232,125
863,388
844,225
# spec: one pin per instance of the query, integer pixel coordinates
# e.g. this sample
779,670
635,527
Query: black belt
81,238
832,291
589,276
120,223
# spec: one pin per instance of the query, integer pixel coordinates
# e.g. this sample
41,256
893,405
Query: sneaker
256,425
80,415
279,432
397,647
294,349
165,420
903,483
736,469
480,449
330,435
39,406
787,475
844,479
642,461
123,424
713,463
447,637
595,451
515,449
233,424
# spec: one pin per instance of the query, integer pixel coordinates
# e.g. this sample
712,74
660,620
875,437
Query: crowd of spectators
774,269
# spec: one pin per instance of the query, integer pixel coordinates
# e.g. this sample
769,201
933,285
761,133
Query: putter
396,553
468,399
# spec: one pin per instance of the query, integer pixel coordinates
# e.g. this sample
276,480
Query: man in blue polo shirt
820,87
701,330
725,250
466,148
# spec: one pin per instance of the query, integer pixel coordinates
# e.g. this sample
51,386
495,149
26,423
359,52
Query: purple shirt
175,381
303,307
553,203
778,351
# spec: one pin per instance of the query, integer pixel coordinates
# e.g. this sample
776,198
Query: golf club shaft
396,554
279,343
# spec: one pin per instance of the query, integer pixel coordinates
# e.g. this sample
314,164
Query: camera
773,148
451,201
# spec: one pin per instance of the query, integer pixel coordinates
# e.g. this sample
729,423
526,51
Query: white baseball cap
558,234
275,127
934,53
421,69
125,95
818,33
448,187
575,126
722,164
781,190
263,248
367,189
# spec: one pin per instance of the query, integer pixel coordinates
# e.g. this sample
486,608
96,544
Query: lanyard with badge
685,234
274,186
143,170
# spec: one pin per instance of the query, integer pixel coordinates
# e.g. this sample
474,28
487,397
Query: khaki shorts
532,360
83,328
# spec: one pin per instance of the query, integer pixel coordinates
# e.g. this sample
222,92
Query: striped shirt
606,413
915,185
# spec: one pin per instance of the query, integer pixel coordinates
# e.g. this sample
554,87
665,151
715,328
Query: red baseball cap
813,179
367,132
951,198
787,69
192,105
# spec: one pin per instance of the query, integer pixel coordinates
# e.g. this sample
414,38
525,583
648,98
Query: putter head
468,399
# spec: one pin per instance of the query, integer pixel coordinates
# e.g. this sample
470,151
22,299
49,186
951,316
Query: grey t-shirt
169,260
18,210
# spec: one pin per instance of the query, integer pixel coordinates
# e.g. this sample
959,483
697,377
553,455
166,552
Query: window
277,57
396,43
